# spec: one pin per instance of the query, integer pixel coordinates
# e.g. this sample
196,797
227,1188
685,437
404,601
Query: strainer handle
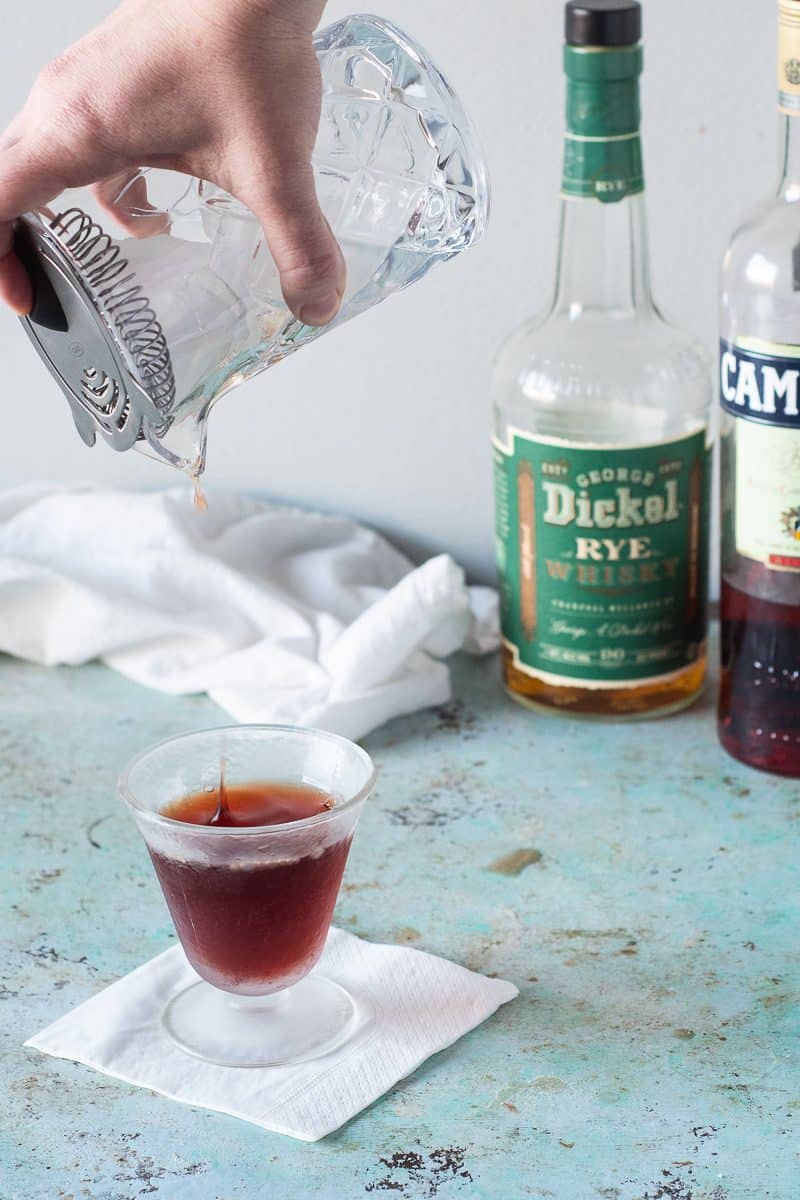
47,310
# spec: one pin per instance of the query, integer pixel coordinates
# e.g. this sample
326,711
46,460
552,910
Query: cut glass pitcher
151,307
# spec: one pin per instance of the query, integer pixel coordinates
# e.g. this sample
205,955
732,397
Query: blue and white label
760,382
760,386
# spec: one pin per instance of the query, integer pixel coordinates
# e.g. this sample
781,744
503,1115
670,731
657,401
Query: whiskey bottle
601,430
759,706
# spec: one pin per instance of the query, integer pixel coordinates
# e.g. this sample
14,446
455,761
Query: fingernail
321,310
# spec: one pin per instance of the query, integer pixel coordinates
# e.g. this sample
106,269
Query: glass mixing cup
152,304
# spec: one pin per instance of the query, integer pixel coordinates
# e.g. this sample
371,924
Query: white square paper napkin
411,1005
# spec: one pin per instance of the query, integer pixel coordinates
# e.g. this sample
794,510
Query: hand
227,90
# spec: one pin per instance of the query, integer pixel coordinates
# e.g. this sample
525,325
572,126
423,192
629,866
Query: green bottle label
603,557
602,148
607,170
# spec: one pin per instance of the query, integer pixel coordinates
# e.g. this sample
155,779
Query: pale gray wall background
387,419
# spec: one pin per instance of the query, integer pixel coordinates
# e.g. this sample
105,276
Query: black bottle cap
603,22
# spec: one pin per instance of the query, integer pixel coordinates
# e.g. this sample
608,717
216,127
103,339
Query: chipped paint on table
638,885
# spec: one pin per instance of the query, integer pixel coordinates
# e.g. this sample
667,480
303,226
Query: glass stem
275,1001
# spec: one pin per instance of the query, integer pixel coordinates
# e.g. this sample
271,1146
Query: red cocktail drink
250,870
253,926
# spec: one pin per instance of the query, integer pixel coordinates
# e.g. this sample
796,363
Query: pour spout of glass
151,308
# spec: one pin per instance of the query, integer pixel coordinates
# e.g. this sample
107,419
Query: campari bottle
759,707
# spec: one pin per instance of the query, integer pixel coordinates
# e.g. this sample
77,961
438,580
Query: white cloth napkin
280,615
412,1005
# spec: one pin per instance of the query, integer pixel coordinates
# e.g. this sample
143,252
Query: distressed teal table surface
638,885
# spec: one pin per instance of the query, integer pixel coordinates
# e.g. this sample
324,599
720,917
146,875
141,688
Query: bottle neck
789,186
603,254
603,258
789,97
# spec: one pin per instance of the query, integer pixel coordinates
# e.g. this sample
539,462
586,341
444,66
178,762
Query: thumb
307,255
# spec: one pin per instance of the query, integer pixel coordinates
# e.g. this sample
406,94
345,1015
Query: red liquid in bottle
759,701
254,923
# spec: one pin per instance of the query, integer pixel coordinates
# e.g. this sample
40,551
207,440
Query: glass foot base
298,1024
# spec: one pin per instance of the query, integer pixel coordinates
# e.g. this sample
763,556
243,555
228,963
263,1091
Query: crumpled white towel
279,615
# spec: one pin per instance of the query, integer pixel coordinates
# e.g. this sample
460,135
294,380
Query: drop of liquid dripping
223,814
200,501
